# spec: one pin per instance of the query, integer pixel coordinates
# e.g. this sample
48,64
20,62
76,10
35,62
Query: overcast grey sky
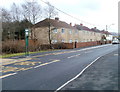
97,13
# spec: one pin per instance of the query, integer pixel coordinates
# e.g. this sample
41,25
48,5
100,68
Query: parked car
116,41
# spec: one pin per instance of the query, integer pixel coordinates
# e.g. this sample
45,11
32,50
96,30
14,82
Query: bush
59,46
12,47
18,46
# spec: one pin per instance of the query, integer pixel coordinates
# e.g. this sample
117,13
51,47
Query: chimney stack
56,18
81,24
70,24
95,28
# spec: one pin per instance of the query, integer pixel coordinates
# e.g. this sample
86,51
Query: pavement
102,75
49,70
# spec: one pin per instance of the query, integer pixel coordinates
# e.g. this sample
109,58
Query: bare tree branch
15,12
32,11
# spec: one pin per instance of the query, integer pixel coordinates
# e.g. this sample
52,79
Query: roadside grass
20,54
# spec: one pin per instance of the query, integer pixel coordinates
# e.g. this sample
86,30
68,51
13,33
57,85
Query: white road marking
7,75
74,56
46,63
77,75
58,60
57,53
115,54
88,51
94,47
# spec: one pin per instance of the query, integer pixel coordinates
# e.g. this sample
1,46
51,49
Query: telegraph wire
70,15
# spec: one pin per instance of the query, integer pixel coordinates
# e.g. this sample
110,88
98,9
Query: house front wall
65,35
41,34
87,36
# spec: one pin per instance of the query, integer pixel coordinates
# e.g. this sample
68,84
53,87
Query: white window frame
70,41
54,41
55,30
70,31
62,40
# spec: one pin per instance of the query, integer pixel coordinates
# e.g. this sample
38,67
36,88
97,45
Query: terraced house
60,31
88,35
63,32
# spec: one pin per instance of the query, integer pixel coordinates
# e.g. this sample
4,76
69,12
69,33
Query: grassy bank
20,54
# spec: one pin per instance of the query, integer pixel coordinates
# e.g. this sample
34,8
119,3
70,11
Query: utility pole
106,27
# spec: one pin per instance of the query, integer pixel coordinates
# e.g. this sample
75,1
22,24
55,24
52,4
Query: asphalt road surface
50,70
102,75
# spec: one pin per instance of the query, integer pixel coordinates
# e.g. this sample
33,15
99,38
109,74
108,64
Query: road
102,75
50,70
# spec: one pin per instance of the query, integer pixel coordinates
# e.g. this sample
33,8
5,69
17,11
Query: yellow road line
16,61
57,53
47,63
7,75
27,68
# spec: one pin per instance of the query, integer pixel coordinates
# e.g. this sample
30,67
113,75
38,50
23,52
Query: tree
32,11
6,17
15,12
6,23
50,12
23,25
103,38
13,27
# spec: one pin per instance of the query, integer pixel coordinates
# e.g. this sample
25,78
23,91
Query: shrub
12,47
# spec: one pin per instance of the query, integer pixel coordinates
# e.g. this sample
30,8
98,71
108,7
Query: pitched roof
81,27
53,22
106,32
96,30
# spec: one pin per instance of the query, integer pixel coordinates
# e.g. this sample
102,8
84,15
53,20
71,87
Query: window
70,41
70,31
63,31
76,40
85,32
89,40
76,31
63,40
54,41
55,31
85,40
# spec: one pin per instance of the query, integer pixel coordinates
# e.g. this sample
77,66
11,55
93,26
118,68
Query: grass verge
20,54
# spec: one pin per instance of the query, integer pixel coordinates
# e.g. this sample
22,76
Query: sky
91,13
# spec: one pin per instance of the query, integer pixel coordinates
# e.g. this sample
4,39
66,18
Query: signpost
26,42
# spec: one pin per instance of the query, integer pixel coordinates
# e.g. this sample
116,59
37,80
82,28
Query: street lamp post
109,37
26,42
108,26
